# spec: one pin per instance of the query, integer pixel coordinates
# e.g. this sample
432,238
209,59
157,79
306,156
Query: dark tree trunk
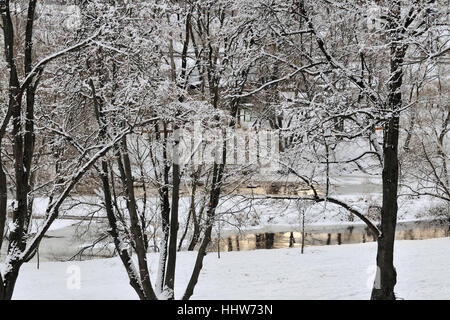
23,144
134,278
196,218
212,205
191,214
386,275
124,165
3,201
172,249
114,232
163,191
23,148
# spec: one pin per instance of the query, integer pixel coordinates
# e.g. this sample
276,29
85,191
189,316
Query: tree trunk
125,169
191,213
165,209
386,275
212,205
8,289
114,232
3,202
172,250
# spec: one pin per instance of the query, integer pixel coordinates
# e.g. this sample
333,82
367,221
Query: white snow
56,225
327,272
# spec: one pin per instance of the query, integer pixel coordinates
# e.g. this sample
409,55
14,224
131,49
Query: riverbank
326,272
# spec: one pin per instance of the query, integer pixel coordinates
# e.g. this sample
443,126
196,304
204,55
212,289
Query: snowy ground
329,272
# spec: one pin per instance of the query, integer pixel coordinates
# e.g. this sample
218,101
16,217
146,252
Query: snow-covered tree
349,63
36,131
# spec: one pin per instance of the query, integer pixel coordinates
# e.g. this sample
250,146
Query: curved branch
370,224
355,212
355,159
41,64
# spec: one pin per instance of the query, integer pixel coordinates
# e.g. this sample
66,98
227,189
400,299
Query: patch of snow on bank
328,272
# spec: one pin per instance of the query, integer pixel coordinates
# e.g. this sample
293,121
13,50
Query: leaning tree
30,118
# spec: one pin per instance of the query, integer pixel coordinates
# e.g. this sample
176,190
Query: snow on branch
317,198
53,208
38,67
287,77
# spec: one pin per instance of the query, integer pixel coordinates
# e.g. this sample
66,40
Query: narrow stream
326,235
62,244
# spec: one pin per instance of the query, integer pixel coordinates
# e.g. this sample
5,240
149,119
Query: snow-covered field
328,272
325,272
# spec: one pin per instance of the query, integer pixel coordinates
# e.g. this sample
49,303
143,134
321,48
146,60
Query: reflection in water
346,235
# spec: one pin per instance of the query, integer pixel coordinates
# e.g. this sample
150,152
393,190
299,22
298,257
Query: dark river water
319,236
64,244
